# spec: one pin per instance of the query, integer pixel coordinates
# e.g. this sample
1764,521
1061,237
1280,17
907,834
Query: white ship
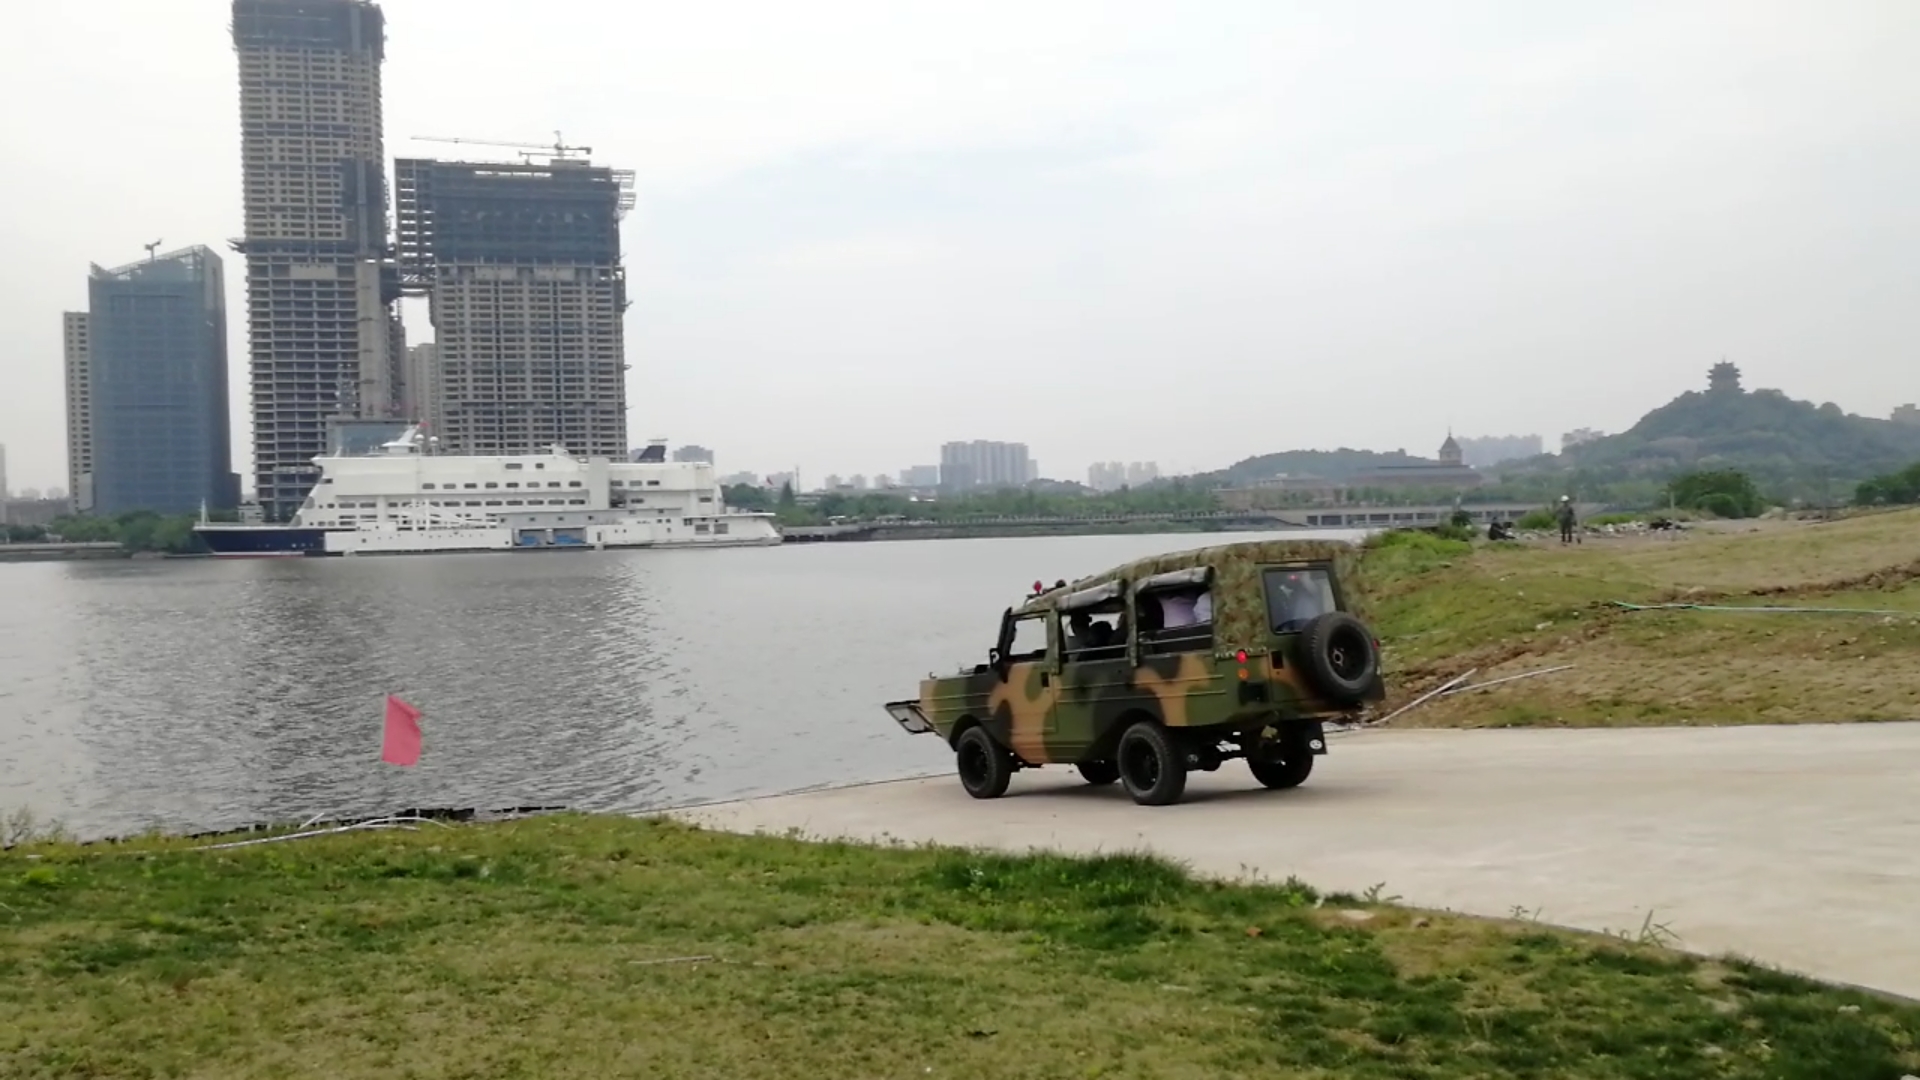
404,499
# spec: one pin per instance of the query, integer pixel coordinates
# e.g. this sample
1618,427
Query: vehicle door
1021,708
1095,669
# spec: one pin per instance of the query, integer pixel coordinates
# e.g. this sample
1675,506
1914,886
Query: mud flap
909,716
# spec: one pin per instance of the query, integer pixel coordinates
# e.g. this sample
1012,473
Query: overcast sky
1186,232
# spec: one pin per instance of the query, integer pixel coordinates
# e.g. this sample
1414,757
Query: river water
204,694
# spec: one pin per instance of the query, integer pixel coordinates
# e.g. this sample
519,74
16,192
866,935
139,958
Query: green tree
1727,493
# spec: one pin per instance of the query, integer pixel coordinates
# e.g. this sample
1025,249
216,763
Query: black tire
985,769
1287,772
1339,650
1098,773
1151,766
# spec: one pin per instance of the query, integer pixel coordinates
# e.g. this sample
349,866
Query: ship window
618,483
706,498
701,528
326,479
720,529
469,487
493,502
514,502
513,465
491,485
539,465
653,483
553,483
639,498
513,483
573,483
686,521
426,487
576,502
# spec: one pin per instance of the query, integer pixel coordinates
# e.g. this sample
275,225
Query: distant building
1579,435
857,482
920,476
1489,450
420,390
832,481
691,452
750,479
522,263
1906,414
1033,470
983,463
1723,378
3,476
319,293
74,335
157,386
1112,475
1452,473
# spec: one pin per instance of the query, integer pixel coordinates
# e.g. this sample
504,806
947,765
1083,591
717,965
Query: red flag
402,746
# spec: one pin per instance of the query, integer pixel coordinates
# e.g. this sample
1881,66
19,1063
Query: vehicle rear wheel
1341,655
1277,773
985,769
1098,773
1151,765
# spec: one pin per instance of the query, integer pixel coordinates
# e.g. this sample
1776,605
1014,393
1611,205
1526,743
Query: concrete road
1798,846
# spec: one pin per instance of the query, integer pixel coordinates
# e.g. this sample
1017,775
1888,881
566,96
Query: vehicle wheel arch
1108,742
960,727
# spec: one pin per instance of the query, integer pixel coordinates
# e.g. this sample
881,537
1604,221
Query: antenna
151,248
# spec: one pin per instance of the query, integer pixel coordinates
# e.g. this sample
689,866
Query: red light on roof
1037,587
1241,656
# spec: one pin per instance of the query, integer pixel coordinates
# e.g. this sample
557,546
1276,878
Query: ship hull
263,542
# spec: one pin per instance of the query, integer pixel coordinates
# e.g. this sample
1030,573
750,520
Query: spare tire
1338,650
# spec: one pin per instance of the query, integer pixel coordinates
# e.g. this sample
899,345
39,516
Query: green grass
516,950
1504,608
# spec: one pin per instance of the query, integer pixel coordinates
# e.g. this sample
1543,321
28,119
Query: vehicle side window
1297,597
1176,620
1098,633
1029,639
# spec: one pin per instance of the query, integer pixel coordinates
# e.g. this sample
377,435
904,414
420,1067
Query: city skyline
959,228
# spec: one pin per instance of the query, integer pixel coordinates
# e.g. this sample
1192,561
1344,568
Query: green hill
1340,464
1790,447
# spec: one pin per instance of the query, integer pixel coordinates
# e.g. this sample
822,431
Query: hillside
1340,464
1443,608
1792,447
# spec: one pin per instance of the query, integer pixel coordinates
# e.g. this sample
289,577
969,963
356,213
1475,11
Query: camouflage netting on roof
1235,569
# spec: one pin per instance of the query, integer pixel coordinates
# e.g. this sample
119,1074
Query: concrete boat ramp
1795,845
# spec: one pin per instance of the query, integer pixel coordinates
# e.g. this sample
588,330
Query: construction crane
559,148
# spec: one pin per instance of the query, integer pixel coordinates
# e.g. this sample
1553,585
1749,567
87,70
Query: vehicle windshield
1297,597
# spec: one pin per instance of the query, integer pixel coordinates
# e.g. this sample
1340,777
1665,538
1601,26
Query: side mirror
998,663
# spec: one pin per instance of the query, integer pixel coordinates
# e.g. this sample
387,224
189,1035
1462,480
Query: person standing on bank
1566,519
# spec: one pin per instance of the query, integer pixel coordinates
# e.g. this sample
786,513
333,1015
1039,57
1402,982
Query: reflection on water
203,694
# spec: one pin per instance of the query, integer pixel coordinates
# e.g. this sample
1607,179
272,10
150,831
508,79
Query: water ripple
207,694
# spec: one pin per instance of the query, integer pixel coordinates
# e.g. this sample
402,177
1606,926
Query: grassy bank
534,949
1506,608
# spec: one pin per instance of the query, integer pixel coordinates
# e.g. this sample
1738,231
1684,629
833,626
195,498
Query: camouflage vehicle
1161,666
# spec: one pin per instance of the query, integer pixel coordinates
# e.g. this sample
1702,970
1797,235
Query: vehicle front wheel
1098,773
1152,767
1290,771
985,769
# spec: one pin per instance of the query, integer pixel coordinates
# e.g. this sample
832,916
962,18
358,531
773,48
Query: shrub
1725,493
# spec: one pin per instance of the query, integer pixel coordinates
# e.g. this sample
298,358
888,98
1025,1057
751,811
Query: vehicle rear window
1297,597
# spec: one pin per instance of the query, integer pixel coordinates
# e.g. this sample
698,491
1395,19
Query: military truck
1161,666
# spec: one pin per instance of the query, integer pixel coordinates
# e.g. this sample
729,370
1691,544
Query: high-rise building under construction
322,331
521,265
